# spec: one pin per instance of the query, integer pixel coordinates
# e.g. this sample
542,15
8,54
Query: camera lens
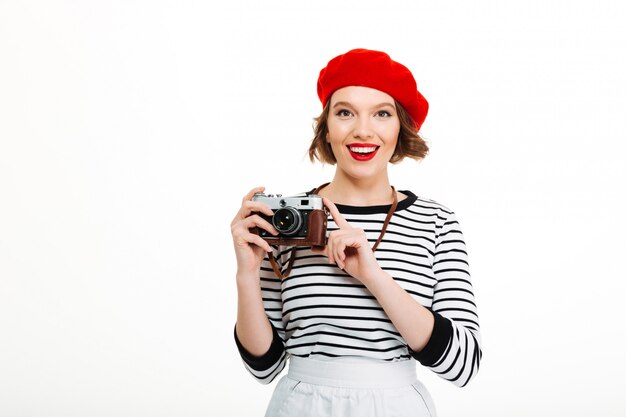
287,220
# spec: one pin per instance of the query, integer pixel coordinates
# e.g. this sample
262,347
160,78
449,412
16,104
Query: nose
362,128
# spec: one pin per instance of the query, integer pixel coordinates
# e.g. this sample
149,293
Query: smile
362,151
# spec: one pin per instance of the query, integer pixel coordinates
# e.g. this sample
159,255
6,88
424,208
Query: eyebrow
345,103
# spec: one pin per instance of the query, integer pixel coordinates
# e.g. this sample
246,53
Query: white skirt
345,387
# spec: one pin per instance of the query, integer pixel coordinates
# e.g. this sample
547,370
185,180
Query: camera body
300,221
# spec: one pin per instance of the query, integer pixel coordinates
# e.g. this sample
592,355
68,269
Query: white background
130,130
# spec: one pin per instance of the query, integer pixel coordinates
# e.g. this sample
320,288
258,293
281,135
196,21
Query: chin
364,173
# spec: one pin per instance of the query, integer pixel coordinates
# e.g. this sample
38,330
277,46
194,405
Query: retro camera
300,221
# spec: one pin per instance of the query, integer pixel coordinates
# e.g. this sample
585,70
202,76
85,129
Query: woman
392,283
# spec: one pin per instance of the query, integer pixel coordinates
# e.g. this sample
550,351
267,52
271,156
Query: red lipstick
362,151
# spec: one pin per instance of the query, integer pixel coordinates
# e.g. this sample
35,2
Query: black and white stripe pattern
321,312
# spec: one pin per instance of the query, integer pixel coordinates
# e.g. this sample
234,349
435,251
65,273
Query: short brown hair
410,143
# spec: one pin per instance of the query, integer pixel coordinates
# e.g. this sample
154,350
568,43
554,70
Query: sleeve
453,351
265,368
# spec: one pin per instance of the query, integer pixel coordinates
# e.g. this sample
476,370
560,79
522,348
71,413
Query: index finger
334,212
252,192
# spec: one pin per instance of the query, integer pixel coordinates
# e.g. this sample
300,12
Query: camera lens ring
287,220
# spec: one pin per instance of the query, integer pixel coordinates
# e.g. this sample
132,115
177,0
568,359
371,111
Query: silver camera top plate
310,202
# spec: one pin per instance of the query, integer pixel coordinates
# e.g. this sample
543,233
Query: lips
362,151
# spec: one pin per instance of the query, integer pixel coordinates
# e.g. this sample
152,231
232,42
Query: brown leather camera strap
392,210
275,267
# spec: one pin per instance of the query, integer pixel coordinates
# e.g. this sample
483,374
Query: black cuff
438,343
268,359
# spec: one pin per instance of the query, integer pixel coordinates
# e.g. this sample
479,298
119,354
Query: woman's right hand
250,248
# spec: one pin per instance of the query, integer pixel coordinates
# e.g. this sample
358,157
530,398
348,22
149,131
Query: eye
383,113
344,113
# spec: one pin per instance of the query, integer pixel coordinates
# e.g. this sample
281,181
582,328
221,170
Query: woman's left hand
349,249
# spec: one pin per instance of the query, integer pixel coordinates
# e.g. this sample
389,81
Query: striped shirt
319,311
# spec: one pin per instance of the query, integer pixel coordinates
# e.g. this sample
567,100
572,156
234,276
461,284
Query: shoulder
428,211
420,204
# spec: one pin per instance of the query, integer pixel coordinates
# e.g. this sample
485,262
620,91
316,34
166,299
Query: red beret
374,69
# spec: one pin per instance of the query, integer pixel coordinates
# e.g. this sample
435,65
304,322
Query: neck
358,192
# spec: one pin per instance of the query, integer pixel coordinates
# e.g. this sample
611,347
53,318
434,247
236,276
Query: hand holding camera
265,220
250,248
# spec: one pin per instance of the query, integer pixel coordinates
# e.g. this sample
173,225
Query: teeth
365,150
